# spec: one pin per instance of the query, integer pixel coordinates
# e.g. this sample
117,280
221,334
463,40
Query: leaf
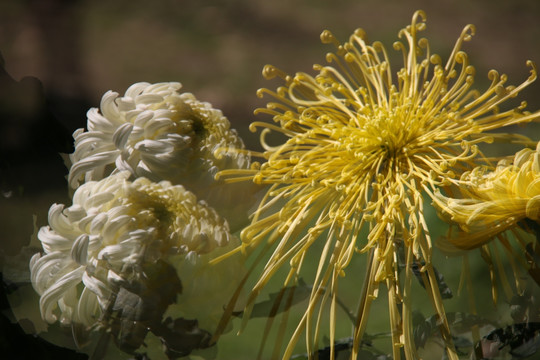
181,336
275,304
444,289
425,328
523,340
416,266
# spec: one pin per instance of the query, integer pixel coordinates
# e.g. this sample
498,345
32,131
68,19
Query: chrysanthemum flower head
157,132
140,249
364,142
492,202
496,206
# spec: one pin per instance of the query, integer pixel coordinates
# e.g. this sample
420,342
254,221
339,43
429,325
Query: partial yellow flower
157,132
363,144
492,202
498,204
140,249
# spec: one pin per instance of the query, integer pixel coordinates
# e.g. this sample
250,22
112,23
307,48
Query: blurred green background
80,49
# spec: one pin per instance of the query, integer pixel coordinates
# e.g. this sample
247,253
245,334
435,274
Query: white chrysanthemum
119,232
154,131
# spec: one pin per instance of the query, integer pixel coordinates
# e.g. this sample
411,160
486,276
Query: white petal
117,254
88,308
98,287
109,107
148,99
47,269
59,222
153,146
113,226
79,251
136,89
81,167
121,135
158,126
99,199
52,241
142,118
75,213
144,171
98,122
125,103
49,300
122,163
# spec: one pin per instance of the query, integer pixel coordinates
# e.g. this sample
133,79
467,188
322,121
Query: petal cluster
120,232
154,131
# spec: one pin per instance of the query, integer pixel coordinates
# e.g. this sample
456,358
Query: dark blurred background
60,56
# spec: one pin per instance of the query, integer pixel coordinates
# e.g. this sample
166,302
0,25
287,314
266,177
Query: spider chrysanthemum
363,145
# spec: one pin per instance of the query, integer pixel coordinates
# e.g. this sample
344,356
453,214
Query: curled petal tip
269,72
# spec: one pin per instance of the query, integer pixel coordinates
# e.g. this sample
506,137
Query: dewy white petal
48,268
50,297
98,287
52,240
88,307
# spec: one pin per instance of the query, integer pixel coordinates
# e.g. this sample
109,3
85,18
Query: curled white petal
79,251
50,297
121,135
94,162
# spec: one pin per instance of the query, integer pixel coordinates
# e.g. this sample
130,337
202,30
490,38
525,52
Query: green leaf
282,300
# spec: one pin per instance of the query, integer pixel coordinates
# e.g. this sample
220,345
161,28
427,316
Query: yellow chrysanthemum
493,202
361,150
506,198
